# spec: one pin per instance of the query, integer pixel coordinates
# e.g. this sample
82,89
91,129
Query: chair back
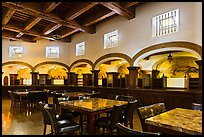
112,97
41,96
32,97
123,130
129,111
52,116
125,98
115,115
14,97
149,111
46,118
196,106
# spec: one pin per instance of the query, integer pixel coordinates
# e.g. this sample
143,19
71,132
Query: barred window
15,52
165,23
80,47
52,52
111,39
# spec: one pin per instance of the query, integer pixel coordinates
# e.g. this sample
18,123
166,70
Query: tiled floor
30,124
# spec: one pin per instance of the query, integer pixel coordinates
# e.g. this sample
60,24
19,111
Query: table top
179,119
26,92
92,104
75,94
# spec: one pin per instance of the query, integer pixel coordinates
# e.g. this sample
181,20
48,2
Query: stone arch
51,62
179,45
112,56
81,61
19,63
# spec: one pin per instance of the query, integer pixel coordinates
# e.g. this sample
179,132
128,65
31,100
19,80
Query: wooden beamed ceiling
30,21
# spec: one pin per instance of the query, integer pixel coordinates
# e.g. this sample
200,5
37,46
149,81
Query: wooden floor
30,123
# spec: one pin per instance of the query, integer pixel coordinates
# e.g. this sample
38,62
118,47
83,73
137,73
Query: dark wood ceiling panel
16,23
20,16
59,20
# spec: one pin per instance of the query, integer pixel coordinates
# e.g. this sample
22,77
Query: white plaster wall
134,35
34,53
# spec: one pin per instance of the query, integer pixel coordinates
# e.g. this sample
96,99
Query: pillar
72,78
133,77
34,77
95,77
199,62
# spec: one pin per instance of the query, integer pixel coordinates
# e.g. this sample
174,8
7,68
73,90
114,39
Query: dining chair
149,111
77,116
31,101
61,122
124,98
15,101
124,130
196,106
127,116
109,122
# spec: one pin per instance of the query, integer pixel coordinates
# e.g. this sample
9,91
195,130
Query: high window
80,48
165,23
52,52
111,39
15,52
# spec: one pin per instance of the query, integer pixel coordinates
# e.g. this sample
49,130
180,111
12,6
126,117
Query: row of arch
180,45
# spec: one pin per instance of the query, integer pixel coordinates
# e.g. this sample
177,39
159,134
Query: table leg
91,128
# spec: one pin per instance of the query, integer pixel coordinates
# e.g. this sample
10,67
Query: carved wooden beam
31,22
8,16
12,28
51,6
117,8
129,4
99,17
50,28
45,16
13,37
67,32
80,10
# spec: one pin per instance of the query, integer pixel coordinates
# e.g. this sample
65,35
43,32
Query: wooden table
177,121
75,94
91,107
24,94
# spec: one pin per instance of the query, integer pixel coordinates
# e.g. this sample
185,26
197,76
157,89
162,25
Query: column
133,77
2,78
34,77
199,62
72,80
95,77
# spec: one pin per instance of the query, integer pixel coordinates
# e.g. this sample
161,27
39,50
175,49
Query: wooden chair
127,117
123,130
196,106
149,111
110,122
59,122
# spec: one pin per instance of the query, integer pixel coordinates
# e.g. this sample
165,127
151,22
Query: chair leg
81,122
44,131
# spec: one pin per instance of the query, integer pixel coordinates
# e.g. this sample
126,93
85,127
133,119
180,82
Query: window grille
52,52
111,39
80,48
165,23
